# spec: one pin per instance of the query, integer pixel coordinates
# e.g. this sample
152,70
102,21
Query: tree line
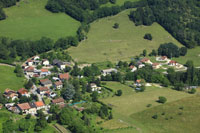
180,18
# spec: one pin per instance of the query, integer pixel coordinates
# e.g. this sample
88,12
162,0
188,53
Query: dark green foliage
3,100
68,91
155,116
144,53
28,116
162,99
2,14
116,26
173,15
91,71
183,51
8,3
112,1
119,92
113,77
192,91
148,36
149,105
94,96
18,70
29,84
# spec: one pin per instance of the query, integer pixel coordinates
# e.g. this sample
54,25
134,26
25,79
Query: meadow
30,20
131,102
118,2
9,79
105,43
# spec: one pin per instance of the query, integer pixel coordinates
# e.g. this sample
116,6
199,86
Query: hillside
106,43
30,20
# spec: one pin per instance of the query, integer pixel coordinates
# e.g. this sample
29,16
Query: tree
18,70
116,26
28,116
29,84
68,92
148,36
119,92
192,91
162,99
113,1
94,96
183,51
144,52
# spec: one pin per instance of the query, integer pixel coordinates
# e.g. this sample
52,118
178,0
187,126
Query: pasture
30,20
8,79
131,103
105,43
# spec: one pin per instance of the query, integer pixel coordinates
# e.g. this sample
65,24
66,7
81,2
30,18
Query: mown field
105,43
131,104
192,54
30,20
8,79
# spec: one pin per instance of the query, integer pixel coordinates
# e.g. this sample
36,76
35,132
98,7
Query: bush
149,105
148,36
155,116
116,26
163,113
162,99
192,91
119,93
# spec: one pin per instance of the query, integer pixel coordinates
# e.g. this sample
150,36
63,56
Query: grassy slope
131,102
185,123
30,20
118,2
193,54
105,43
9,79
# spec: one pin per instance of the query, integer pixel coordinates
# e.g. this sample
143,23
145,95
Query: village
50,83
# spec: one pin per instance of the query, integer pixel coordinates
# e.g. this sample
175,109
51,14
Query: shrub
192,91
116,26
155,116
163,113
119,92
148,36
149,105
162,99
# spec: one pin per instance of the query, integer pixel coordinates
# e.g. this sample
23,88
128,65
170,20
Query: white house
133,68
36,58
162,58
94,87
45,62
156,65
141,65
108,71
58,85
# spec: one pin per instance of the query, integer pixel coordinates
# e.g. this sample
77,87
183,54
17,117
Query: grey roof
32,105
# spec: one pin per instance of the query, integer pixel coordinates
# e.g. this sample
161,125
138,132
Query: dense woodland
6,3
178,17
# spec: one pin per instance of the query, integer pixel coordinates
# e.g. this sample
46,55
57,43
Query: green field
133,103
192,54
30,20
107,44
118,2
9,79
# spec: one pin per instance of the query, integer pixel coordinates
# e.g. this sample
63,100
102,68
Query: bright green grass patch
175,120
105,43
8,79
192,54
30,20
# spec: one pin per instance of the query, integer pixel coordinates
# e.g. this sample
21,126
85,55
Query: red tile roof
58,100
172,62
155,64
44,89
58,83
22,91
131,67
24,106
44,80
29,69
64,76
44,70
39,104
144,60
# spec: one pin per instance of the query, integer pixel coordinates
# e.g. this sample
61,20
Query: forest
180,18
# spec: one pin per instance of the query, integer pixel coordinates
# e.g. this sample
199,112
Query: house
36,58
44,72
146,60
133,68
14,109
59,64
43,90
156,65
24,108
58,85
94,87
33,109
162,58
138,83
58,101
172,63
45,62
9,105
29,71
29,62
52,94
141,65
84,65
10,94
64,76
108,71
46,82
39,105
23,92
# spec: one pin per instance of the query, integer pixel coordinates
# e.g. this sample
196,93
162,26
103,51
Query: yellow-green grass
184,120
30,20
192,54
105,43
131,102
118,2
8,79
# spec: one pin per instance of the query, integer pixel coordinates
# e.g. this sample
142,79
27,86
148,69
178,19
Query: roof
164,57
131,67
155,64
58,83
39,104
144,60
110,70
64,76
24,106
138,81
44,70
45,81
29,69
43,88
172,62
8,90
58,100
22,91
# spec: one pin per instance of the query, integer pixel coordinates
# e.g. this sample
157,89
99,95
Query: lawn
105,43
30,20
175,120
192,54
132,103
9,79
